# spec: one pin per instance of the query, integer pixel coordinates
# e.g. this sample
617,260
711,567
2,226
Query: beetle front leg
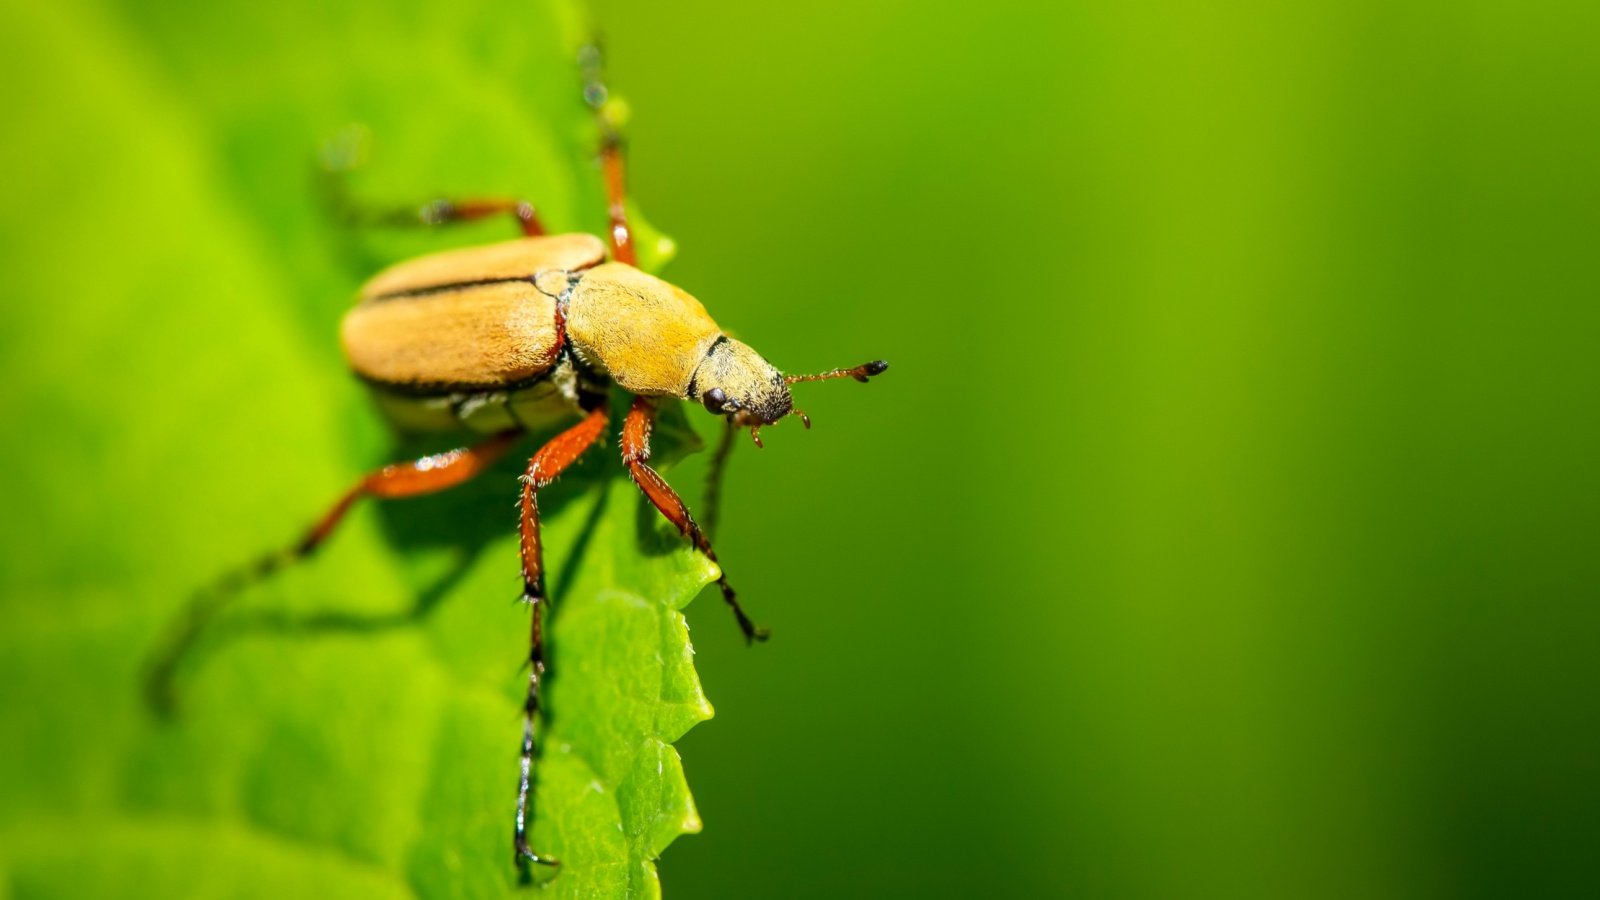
427,475
551,460
635,454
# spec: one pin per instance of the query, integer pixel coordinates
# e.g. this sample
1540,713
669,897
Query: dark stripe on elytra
573,276
432,289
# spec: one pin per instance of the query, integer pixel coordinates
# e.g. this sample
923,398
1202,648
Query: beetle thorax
644,333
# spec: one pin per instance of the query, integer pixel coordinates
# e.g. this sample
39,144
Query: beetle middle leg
445,211
635,454
345,152
622,248
551,460
427,475
595,93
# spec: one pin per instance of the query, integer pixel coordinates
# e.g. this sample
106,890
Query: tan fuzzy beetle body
512,333
513,336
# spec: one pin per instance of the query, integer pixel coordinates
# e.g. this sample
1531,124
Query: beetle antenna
860,373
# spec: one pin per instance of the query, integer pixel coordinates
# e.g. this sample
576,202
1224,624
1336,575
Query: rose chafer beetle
516,337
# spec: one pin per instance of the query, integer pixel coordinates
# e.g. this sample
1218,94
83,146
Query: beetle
508,337
515,337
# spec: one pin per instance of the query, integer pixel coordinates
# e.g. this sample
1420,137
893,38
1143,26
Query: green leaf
169,344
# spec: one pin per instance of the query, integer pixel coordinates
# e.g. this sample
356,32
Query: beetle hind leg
408,479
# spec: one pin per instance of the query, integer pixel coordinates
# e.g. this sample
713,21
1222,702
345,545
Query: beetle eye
714,399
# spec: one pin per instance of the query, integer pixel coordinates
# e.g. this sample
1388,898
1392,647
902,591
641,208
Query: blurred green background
1225,527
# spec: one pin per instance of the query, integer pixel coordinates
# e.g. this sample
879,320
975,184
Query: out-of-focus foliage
1226,524
173,284
1224,527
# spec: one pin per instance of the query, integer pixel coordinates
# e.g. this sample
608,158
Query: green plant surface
350,728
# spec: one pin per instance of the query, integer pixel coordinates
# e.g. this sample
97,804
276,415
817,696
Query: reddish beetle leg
427,475
611,164
622,249
551,460
441,211
444,211
635,454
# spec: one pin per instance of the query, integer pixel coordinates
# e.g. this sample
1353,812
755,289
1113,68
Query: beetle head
734,381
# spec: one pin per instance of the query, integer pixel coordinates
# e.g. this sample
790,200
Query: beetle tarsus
753,633
523,854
